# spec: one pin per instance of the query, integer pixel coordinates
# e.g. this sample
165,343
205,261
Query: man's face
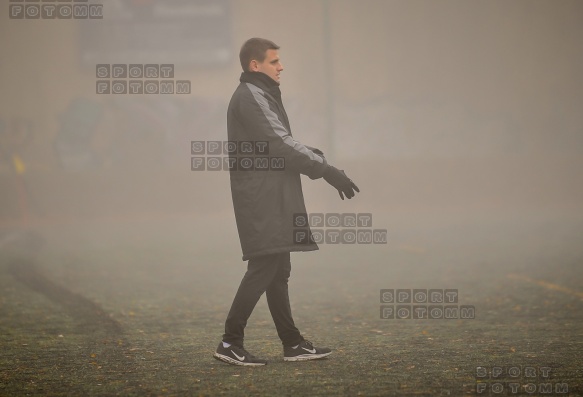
271,65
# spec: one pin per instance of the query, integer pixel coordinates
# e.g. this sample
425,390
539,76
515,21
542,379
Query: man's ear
253,65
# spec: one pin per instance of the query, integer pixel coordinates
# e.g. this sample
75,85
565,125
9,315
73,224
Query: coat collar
262,81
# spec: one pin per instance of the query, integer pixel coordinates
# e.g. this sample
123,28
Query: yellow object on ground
18,164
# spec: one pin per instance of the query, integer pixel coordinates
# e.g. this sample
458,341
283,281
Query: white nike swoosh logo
308,350
241,358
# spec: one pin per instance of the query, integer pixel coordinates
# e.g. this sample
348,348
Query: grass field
138,308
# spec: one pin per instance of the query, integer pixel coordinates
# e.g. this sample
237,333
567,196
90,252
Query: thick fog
449,106
460,121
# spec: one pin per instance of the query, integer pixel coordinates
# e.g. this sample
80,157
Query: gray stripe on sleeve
277,126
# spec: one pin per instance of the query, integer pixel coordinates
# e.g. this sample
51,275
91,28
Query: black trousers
268,274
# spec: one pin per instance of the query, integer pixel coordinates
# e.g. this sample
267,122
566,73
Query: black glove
341,182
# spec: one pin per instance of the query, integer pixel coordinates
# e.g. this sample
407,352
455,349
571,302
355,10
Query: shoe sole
305,357
229,360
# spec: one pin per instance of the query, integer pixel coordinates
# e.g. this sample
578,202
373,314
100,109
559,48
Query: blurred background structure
488,93
460,121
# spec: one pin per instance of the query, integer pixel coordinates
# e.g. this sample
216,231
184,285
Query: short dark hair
255,49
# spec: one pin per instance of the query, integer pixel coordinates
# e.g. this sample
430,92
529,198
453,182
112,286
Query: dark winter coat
265,201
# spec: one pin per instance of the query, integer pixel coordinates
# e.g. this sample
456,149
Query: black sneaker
305,351
236,356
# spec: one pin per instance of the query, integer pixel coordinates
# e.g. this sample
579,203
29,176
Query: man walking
265,201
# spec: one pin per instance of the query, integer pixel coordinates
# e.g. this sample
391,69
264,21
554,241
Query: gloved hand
341,182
